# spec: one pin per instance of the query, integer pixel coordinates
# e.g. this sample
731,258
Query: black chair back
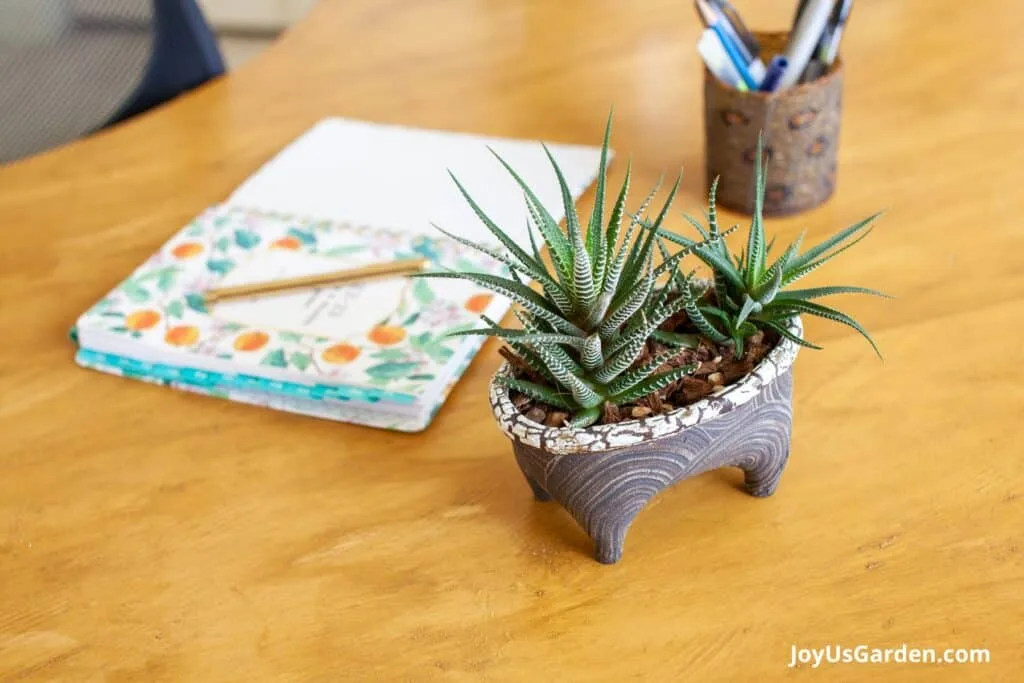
71,67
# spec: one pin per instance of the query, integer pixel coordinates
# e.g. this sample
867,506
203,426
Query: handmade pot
604,475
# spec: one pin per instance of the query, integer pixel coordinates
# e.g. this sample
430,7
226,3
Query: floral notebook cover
376,353
379,341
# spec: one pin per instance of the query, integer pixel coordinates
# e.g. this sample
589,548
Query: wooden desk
150,535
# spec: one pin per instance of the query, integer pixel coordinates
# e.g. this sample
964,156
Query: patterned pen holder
801,132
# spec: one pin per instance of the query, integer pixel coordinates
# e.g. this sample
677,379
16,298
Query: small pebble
716,378
640,411
536,414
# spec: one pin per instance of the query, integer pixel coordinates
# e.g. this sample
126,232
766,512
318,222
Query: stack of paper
345,194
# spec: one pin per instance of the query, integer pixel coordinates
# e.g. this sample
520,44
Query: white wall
269,16
257,15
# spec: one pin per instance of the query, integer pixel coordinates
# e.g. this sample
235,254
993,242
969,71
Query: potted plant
628,374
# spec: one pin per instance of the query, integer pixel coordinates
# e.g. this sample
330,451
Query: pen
828,47
734,55
735,22
717,60
775,70
813,68
804,39
800,7
813,71
829,50
710,14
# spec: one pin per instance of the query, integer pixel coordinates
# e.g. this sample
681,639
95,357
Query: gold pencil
391,268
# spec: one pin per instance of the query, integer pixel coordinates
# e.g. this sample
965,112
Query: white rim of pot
596,439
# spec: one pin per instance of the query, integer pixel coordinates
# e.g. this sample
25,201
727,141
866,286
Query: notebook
345,194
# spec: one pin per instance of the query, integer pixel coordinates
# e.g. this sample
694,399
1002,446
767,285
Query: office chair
71,67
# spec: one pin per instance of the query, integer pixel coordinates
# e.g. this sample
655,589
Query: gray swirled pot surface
570,441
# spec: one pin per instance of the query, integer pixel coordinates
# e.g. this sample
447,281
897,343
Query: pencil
338,277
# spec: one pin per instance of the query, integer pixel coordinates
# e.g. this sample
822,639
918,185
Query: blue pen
734,56
743,36
776,68
712,12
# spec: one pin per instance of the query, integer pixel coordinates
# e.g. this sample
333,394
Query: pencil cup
801,133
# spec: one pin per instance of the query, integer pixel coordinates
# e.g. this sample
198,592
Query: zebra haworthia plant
749,293
599,301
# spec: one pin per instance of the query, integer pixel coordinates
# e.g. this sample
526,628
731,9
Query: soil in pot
716,365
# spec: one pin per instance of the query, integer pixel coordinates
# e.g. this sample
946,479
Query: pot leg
590,490
608,542
538,491
763,478
606,520
764,463
531,470
605,492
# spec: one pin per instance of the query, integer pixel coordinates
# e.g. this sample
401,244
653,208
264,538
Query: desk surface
159,536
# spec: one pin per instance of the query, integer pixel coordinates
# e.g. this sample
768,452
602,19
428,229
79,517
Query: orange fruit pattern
251,341
187,250
182,335
478,303
286,243
141,320
386,335
339,354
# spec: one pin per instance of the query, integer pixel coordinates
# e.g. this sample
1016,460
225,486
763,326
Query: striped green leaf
830,314
621,361
591,352
701,323
783,331
537,392
595,229
755,241
632,301
652,384
837,239
519,293
614,224
561,254
816,292
795,272
611,283
529,264
630,379
585,418
686,341
582,392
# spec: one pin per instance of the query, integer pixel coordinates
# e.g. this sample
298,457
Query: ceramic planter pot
604,475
